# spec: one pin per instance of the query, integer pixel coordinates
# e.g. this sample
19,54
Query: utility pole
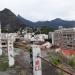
37,69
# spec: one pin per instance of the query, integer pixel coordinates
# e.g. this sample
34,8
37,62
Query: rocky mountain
53,23
27,22
12,23
9,21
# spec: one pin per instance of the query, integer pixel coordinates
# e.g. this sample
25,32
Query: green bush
71,63
56,61
3,66
3,63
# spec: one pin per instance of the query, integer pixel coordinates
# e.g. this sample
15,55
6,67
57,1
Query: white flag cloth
0,48
0,42
10,50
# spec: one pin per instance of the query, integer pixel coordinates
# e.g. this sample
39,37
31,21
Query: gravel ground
4,73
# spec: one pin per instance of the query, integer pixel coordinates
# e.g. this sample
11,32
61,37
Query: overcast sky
42,10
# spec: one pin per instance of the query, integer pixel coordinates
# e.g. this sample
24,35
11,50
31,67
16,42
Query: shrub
71,63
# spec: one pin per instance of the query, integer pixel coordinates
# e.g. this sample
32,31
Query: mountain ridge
12,23
55,23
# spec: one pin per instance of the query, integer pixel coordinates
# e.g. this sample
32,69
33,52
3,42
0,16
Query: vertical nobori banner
10,50
0,41
37,69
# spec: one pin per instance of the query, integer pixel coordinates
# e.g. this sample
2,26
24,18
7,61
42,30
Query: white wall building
64,37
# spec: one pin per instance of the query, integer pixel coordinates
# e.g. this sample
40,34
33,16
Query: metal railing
54,68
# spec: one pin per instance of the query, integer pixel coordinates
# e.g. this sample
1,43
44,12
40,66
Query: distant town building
28,36
35,37
64,38
41,36
27,30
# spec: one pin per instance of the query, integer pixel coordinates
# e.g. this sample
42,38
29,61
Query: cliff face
9,21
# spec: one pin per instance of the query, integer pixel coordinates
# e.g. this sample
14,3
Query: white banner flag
0,42
37,70
0,48
10,50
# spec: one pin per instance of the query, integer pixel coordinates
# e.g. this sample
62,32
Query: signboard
0,42
10,50
37,70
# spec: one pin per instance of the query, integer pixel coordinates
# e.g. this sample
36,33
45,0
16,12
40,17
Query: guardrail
51,64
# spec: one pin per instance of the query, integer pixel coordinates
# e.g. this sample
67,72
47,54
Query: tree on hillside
46,29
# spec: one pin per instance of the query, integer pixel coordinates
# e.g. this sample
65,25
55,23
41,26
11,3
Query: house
68,52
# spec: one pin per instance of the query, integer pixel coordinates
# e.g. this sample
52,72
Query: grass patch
3,63
71,63
54,60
